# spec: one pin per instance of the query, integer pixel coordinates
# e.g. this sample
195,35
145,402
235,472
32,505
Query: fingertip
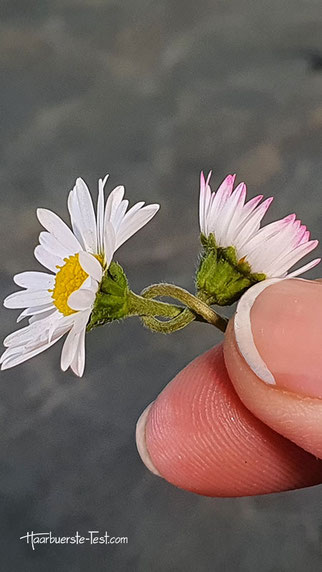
140,436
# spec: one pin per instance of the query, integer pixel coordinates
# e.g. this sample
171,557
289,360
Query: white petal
33,331
10,353
71,344
250,226
48,260
69,349
75,217
90,265
109,242
138,220
266,252
245,215
268,231
293,257
36,317
226,215
20,337
26,298
53,223
81,299
130,213
218,200
204,202
305,268
56,323
119,214
112,203
53,246
78,363
236,204
88,283
85,216
11,360
35,310
100,214
34,280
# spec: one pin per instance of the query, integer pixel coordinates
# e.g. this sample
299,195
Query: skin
218,430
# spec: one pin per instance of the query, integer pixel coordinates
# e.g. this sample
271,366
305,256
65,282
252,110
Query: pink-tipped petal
208,178
305,268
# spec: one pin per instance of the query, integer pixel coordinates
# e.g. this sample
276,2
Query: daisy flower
270,251
61,301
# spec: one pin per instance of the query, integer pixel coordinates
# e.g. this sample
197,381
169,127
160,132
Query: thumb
273,354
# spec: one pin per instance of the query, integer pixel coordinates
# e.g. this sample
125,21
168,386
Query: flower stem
169,326
145,307
195,309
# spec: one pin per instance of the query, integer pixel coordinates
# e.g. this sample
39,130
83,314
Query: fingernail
278,330
141,441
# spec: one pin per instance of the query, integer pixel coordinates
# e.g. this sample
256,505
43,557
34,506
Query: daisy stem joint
195,309
115,301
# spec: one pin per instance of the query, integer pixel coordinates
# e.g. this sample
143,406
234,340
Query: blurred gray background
151,92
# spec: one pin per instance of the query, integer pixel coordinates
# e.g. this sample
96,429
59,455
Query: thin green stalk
145,306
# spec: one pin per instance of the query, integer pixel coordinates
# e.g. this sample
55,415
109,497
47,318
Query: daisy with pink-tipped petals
272,249
232,235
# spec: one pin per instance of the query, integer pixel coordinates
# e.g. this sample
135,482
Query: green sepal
222,278
208,242
112,299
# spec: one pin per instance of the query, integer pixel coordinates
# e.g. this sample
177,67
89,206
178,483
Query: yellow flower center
69,278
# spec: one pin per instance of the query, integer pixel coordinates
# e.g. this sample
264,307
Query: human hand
217,429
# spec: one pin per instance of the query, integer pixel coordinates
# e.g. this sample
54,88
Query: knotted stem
195,309
147,306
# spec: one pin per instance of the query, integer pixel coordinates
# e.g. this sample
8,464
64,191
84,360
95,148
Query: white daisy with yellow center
62,302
